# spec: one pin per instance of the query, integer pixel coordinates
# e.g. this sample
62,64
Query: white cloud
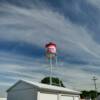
96,3
26,24
38,26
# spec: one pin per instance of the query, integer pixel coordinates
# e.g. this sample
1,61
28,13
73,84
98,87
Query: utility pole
95,85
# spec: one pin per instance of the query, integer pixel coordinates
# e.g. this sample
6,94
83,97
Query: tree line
84,94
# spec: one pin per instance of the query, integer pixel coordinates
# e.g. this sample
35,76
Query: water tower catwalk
51,54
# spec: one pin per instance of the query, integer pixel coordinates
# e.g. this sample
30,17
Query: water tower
51,55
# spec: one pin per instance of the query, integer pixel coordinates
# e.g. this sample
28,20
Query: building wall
20,85
3,98
56,96
22,91
28,94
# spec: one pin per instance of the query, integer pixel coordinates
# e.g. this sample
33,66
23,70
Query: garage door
46,96
76,98
67,98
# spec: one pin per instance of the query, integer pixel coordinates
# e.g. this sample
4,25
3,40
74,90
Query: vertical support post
50,71
57,67
38,96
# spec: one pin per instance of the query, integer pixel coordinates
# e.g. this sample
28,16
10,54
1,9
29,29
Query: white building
3,98
26,90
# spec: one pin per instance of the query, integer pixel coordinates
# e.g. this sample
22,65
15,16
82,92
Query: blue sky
27,25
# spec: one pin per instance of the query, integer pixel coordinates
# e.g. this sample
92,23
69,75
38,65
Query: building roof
46,87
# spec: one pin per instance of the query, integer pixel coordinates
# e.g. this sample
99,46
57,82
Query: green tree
84,94
55,81
93,94
89,94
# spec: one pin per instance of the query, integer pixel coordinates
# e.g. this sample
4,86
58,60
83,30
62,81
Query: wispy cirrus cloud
96,3
25,27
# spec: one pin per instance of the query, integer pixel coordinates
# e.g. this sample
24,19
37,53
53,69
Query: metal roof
46,87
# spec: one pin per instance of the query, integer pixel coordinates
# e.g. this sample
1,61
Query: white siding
22,91
21,85
22,95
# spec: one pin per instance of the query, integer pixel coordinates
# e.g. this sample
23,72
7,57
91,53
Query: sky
27,25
